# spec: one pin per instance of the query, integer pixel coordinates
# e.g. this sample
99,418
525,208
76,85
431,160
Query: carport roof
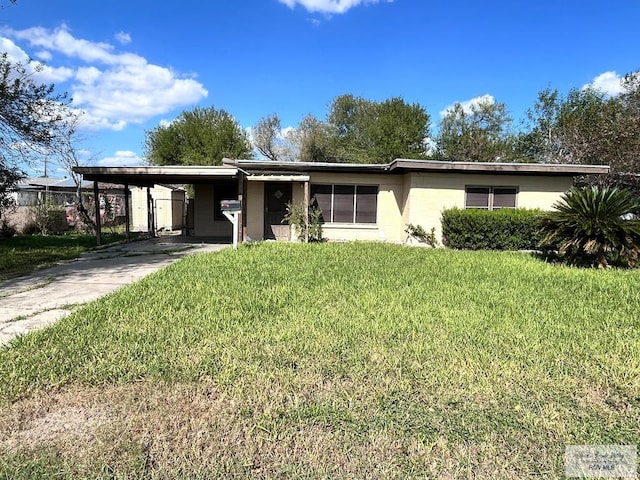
149,176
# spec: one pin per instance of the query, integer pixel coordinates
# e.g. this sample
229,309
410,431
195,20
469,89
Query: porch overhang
150,176
278,178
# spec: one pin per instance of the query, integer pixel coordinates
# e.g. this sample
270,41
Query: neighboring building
168,203
358,201
169,208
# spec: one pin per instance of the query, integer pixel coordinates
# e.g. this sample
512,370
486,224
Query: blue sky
130,65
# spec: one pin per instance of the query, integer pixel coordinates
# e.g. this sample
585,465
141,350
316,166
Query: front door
276,197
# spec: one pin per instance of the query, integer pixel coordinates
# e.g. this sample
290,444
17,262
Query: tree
363,131
480,134
540,141
32,115
202,136
65,151
313,141
587,127
269,140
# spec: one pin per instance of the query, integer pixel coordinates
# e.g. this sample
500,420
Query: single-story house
358,201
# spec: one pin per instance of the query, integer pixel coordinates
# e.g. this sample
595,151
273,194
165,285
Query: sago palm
594,225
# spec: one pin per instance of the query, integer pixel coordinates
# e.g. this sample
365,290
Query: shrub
50,218
6,229
594,226
420,234
296,216
505,229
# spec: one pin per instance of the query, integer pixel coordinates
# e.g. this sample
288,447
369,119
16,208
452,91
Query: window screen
346,203
321,198
366,204
491,198
478,197
504,197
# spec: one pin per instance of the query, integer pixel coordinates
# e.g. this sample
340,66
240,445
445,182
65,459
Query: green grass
329,361
24,254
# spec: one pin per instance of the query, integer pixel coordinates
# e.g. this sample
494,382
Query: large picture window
346,203
491,198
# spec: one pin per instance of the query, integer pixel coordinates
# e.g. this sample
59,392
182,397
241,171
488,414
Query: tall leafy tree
586,126
481,133
364,131
32,116
313,141
539,141
202,136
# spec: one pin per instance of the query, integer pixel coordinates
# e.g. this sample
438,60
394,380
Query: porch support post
96,201
242,223
306,209
150,217
127,215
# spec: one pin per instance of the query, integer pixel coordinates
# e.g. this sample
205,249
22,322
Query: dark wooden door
276,197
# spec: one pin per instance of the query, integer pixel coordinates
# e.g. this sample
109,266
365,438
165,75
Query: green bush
505,229
594,226
50,218
305,222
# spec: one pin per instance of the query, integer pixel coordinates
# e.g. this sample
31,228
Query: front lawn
24,254
329,361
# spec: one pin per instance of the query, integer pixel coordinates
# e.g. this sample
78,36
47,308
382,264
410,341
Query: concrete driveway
44,297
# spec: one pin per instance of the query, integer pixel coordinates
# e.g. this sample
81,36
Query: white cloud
41,72
112,88
609,83
122,38
44,55
122,158
467,105
329,6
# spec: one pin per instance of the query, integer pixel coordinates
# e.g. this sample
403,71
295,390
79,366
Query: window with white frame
346,203
490,198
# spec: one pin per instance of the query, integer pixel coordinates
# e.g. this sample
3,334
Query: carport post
127,219
96,200
150,220
241,231
306,209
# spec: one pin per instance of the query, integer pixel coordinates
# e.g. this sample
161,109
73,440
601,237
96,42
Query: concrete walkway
44,297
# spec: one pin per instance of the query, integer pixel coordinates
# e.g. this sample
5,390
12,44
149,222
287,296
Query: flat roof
403,164
267,167
149,176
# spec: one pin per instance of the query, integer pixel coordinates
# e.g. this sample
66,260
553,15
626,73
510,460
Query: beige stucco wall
255,210
417,198
204,223
431,193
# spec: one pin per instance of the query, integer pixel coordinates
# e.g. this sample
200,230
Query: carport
148,177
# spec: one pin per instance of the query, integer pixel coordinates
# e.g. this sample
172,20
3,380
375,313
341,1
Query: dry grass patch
157,430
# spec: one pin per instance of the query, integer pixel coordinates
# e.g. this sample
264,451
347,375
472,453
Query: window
222,192
346,203
491,198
